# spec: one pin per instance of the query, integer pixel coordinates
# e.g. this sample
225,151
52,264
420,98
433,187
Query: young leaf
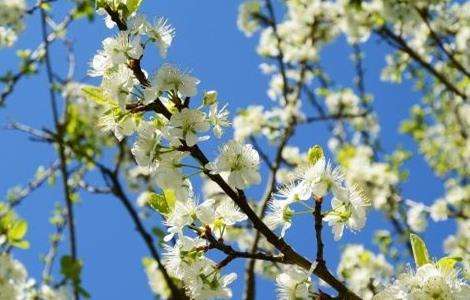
448,263
133,5
158,203
20,244
420,252
170,198
70,268
96,95
18,230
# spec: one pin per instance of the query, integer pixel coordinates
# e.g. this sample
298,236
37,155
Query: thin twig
439,43
61,149
50,257
35,184
403,46
263,155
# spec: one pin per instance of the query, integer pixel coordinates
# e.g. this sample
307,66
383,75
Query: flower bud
314,154
210,98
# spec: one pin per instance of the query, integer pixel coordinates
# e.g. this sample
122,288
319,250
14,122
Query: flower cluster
430,281
314,180
160,123
11,21
15,283
360,169
295,283
363,271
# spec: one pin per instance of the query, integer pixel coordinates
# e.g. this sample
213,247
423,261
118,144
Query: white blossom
170,79
147,148
121,125
240,161
219,215
187,123
348,209
439,210
279,215
416,217
363,270
162,34
316,179
294,283
429,282
247,20
218,119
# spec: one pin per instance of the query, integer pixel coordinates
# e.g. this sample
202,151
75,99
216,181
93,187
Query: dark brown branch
240,199
318,229
121,24
93,189
232,253
338,116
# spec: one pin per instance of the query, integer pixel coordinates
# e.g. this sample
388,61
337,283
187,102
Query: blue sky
209,44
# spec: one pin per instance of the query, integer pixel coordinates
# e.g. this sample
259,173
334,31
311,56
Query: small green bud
314,154
210,98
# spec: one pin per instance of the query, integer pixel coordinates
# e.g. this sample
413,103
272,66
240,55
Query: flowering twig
338,116
118,191
12,80
424,16
36,183
241,201
49,258
61,147
232,253
398,42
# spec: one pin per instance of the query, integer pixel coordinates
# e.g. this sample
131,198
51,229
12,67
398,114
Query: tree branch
118,191
61,149
402,45
240,199
424,16
318,229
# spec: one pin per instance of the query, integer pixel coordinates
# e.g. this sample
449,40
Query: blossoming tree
154,122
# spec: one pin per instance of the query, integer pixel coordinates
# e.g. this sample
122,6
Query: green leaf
170,197
70,268
84,293
158,203
448,263
18,230
100,4
20,244
133,5
420,252
163,203
97,95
